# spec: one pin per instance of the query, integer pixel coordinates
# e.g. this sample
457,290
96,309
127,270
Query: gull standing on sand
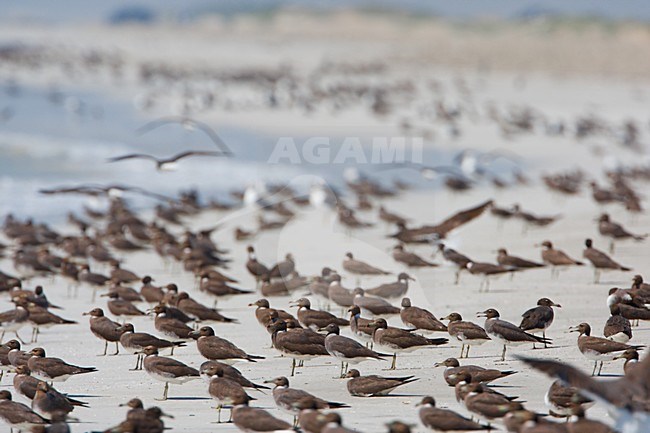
468,333
507,333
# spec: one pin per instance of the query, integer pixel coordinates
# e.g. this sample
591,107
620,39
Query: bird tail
437,341
624,268
253,358
335,405
342,322
77,402
256,386
408,379
68,322
508,372
542,339
576,262
179,343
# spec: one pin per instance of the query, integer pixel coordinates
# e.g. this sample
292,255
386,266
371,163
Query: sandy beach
558,73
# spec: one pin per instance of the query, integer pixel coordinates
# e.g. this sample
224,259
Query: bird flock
349,325
314,325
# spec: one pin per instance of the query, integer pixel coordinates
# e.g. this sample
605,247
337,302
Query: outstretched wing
194,153
133,156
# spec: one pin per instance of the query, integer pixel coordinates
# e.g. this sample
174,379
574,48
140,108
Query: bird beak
444,318
438,364
481,314
537,245
293,303
418,404
573,329
86,314
252,304
618,357
557,305
166,415
104,295
194,334
269,381
411,278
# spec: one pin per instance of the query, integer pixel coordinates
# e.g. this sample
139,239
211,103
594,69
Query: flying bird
189,124
165,164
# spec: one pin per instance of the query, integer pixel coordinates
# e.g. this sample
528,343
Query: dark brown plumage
358,267
316,319
468,333
53,369
454,372
219,349
104,328
167,370
600,260
444,419
373,385
400,340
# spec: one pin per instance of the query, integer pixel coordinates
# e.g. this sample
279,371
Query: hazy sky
89,10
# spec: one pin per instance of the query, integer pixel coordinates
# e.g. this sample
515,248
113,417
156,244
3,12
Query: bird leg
301,363
611,247
18,337
165,391
295,421
593,373
456,280
600,368
462,349
293,366
596,275
117,350
2,336
392,366
544,337
105,348
173,346
341,373
137,363
467,351
503,354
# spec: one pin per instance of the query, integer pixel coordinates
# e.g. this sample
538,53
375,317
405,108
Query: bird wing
513,331
617,393
133,156
470,330
174,367
193,153
460,218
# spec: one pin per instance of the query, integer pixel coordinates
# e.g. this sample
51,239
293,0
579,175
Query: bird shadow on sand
609,375
188,398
